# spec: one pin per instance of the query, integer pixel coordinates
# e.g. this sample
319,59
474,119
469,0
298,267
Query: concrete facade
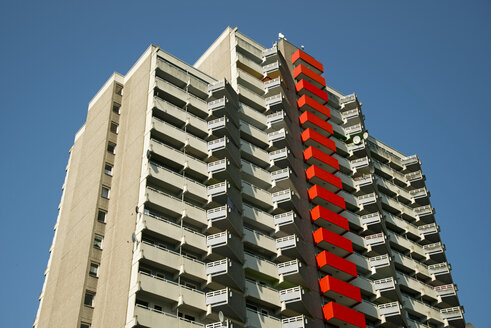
241,192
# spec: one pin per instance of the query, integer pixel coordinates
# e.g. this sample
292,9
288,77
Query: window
84,325
108,169
101,216
114,128
116,108
94,270
186,316
98,241
89,298
105,192
111,148
141,303
118,89
157,308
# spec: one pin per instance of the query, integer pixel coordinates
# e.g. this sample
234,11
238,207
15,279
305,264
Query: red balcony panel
342,292
341,316
326,198
313,138
309,120
302,72
305,103
313,155
332,242
299,54
336,266
325,218
321,177
303,87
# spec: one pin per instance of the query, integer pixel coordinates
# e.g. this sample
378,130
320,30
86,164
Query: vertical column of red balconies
327,204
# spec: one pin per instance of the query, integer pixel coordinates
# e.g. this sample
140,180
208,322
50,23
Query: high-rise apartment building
241,192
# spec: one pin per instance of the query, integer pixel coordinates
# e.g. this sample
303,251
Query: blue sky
421,68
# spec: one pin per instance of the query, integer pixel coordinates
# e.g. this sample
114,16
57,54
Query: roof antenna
281,36
302,47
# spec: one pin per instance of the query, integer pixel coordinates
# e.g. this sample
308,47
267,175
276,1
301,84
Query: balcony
310,121
440,272
289,246
341,292
371,219
293,272
302,58
326,180
222,170
353,129
330,220
278,139
224,244
294,322
275,118
363,181
182,295
284,200
376,243
271,70
172,261
349,114
269,53
336,266
356,149
380,266
360,165
296,299
230,303
447,293
305,88
224,218
262,293
149,317
223,107
384,285
302,72
278,176
453,316
340,316
326,199
180,97
257,196
390,312
254,154
179,117
221,193
424,212
415,179
271,85
286,223
175,207
258,319
274,103
223,147
367,202
167,153
332,242
429,232
307,104
318,141
250,81
348,102
280,158
435,251
223,127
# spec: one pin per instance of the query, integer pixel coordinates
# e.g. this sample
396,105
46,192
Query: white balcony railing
379,261
217,144
216,213
428,229
275,117
376,239
389,309
360,162
370,218
217,189
216,298
409,160
452,313
218,239
291,294
216,86
216,267
216,104
289,267
281,196
284,218
367,199
439,268
278,154
218,123
216,166
276,135
286,242
384,284
271,67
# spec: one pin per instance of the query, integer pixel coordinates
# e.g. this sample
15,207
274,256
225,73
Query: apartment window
116,108
101,216
89,298
114,128
84,325
108,169
98,241
111,148
118,90
94,270
186,316
157,308
105,192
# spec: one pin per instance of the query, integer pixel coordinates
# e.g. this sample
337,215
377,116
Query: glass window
84,325
114,128
98,241
116,108
101,216
111,148
105,192
89,298
108,169
118,89
94,270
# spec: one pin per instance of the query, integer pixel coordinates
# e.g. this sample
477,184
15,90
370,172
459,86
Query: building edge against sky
242,185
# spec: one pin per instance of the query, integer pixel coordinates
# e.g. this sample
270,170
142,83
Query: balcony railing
347,99
379,261
452,313
367,199
409,160
217,189
281,196
349,114
353,129
278,154
291,294
445,290
273,100
286,242
286,268
375,239
275,117
272,83
216,298
428,229
384,284
423,210
433,248
218,239
216,86
276,135
216,267
269,52
217,144
218,123
271,67
389,309
439,268
370,218
360,162
219,165
280,174
215,104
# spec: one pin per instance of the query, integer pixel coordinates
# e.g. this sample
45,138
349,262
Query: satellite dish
281,36
357,140
133,237
149,154
365,135
221,318
136,209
